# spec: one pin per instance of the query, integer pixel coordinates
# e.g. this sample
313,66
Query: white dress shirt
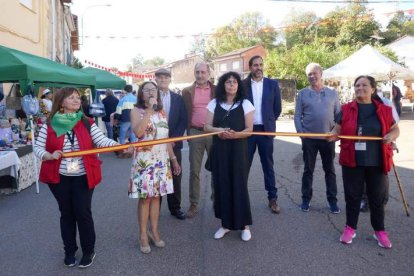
257,93
166,102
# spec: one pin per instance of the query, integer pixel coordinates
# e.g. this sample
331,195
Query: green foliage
247,30
156,61
137,62
398,26
357,25
291,64
76,63
300,28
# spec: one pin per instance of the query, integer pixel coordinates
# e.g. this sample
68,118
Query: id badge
362,146
73,165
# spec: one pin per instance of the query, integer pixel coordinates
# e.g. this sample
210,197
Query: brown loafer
274,206
192,211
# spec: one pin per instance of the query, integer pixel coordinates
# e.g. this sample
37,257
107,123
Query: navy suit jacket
271,101
177,119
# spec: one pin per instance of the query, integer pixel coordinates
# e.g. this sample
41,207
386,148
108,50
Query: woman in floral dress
151,175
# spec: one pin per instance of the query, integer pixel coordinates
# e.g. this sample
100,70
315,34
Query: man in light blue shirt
123,109
316,108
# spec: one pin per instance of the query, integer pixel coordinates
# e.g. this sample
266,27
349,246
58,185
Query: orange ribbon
177,139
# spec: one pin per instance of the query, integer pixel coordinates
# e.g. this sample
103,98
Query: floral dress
151,173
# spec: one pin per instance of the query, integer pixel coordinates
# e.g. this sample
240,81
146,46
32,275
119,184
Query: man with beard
264,94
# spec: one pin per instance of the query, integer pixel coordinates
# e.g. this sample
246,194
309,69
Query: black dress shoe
178,214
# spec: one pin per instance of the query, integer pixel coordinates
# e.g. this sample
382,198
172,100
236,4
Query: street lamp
83,14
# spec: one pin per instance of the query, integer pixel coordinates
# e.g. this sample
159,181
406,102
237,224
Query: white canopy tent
368,61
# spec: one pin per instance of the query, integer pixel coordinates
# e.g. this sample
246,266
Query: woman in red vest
364,160
71,180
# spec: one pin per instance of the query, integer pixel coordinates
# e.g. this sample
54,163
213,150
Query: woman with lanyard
71,180
364,160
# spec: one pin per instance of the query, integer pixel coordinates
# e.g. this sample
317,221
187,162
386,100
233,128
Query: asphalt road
291,243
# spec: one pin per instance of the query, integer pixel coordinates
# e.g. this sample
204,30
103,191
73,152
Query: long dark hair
373,84
140,97
58,99
220,92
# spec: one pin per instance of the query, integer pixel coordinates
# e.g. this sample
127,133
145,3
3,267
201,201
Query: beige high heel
160,243
146,249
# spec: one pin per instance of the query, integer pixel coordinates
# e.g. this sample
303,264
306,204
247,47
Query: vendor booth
105,79
18,166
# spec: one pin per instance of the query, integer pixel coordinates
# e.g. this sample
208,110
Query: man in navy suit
176,113
264,94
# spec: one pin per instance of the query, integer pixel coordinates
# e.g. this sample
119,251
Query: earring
61,109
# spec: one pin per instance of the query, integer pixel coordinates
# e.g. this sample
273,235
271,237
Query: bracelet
173,158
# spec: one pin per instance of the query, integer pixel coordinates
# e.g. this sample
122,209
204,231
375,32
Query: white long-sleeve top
98,138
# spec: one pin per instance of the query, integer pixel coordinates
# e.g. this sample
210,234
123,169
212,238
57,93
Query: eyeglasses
149,90
229,82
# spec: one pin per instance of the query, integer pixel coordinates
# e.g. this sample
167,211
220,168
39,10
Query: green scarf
64,122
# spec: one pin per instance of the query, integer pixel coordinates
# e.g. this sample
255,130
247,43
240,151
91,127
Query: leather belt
198,128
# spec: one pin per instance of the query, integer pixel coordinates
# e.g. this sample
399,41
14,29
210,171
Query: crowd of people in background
234,107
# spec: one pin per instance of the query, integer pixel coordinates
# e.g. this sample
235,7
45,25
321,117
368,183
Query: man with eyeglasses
196,98
264,94
176,113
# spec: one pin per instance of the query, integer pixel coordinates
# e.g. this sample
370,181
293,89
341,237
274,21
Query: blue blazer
177,119
271,101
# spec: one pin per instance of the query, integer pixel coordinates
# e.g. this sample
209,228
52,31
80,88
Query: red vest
349,125
49,171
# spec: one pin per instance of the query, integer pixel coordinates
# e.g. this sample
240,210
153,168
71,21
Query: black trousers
174,199
377,190
365,197
326,149
74,199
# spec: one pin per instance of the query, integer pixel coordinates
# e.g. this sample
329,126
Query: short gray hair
109,92
198,64
313,65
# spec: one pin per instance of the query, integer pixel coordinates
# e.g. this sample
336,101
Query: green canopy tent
27,69
33,71
105,79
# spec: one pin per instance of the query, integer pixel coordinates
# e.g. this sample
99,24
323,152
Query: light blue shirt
315,112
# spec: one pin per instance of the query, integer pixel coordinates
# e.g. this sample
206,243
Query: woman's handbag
13,101
97,108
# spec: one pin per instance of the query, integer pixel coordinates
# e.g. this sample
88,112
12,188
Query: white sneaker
246,235
220,233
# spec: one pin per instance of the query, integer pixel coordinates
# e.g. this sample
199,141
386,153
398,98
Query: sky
113,35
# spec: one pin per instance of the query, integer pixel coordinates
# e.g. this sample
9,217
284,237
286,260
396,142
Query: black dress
230,171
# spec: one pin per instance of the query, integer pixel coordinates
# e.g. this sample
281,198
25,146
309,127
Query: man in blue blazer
264,94
176,113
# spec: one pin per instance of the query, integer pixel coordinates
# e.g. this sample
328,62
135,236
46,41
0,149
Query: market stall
30,73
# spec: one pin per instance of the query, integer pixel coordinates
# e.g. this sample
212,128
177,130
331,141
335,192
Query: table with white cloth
16,169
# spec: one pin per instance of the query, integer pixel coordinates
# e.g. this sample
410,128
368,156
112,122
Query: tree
357,25
247,30
300,28
76,63
137,62
155,61
198,46
398,26
291,64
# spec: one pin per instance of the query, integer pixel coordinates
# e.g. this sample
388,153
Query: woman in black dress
230,113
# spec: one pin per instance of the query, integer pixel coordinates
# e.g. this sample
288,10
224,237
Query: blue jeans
124,127
310,148
109,130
